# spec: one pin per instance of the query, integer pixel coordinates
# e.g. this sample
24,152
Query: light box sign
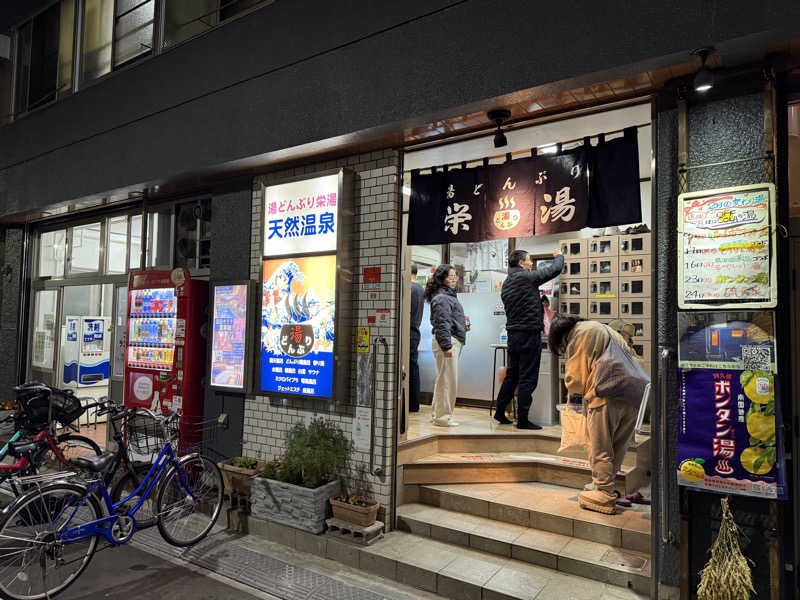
298,303
301,217
229,341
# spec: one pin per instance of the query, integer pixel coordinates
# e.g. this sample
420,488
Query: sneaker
598,501
502,420
527,425
452,424
441,423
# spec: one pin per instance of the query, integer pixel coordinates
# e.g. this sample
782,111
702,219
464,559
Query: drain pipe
379,471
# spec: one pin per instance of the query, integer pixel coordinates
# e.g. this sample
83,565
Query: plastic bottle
503,336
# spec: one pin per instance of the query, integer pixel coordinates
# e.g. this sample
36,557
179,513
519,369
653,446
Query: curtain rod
509,155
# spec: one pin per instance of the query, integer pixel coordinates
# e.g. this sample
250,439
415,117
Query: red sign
372,275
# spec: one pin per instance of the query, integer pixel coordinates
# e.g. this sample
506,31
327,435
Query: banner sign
229,342
726,243
729,438
301,217
500,201
297,325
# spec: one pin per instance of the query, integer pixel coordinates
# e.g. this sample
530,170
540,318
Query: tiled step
594,560
486,467
546,507
465,573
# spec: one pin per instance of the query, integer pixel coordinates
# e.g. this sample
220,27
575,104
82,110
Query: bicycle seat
98,464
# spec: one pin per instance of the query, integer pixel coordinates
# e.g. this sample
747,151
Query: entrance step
506,467
546,507
587,571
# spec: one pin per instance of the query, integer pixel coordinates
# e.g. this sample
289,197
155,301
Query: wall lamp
498,117
704,78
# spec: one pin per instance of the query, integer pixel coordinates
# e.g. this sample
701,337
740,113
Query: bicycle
49,535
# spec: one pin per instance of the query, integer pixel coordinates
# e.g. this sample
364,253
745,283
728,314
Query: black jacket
417,304
521,298
447,318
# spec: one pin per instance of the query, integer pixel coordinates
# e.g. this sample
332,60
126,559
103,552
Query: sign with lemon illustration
730,436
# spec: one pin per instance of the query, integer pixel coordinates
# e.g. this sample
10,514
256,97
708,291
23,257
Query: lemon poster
729,437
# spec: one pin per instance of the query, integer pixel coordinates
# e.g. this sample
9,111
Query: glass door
44,339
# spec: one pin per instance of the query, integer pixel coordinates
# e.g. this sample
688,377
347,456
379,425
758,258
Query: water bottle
503,336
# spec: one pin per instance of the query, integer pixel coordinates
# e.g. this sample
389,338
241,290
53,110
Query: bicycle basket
147,435
38,402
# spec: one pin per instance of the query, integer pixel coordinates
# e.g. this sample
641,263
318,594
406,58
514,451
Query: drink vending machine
166,346
86,350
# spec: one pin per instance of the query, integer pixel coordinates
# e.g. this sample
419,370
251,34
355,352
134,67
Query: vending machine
86,351
166,345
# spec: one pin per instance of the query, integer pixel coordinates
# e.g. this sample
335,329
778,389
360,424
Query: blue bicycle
49,534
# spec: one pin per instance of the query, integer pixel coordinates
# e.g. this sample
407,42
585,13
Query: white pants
444,391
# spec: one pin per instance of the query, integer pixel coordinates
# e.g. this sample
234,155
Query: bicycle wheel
71,446
34,563
186,518
146,515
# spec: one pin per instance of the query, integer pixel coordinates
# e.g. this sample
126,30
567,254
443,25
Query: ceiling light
551,149
498,117
704,78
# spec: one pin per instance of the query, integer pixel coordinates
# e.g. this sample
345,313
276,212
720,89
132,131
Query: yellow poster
362,339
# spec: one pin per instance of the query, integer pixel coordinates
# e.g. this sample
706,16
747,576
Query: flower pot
293,505
358,515
237,480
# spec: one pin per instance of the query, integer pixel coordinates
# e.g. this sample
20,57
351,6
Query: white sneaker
452,424
441,423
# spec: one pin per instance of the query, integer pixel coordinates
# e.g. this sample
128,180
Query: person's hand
448,353
469,326
557,252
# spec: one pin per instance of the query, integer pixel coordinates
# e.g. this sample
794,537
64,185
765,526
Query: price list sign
726,241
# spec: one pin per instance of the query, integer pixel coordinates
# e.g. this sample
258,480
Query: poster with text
730,433
297,325
726,248
741,340
228,344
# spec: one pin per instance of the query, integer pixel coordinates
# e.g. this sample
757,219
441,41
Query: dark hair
516,257
436,282
414,268
559,330
544,299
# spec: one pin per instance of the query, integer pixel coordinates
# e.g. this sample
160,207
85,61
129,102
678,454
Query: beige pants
609,428
444,391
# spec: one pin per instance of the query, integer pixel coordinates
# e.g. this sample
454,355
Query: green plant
354,500
315,454
242,462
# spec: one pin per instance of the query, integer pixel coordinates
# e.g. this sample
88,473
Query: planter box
237,480
358,515
292,505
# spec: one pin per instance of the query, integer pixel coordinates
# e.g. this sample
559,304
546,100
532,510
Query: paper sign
362,339
371,278
362,428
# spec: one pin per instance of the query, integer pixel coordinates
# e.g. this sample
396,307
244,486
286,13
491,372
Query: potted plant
295,488
355,509
237,474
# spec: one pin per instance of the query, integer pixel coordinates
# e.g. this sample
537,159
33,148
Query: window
481,266
98,26
117,247
44,56
44,329
133,29
52,250
184,20
85,249
135,257
159,239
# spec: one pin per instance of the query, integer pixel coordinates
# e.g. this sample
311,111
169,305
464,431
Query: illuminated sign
229,340
298,300
301,217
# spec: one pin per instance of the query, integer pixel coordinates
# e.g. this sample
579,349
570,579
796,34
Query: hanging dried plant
726,575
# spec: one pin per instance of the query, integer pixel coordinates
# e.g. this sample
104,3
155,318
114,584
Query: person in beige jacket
610,422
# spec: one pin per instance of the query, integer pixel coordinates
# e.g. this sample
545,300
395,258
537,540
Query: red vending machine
166,345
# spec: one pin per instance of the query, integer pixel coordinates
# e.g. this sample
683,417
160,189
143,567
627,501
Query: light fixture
499,116
704,78
551,149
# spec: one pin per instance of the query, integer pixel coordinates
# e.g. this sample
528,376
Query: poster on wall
730,434
229,340
726,245
742,340
301,217
298,302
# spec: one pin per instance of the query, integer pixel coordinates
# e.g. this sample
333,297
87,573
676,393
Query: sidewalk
278,570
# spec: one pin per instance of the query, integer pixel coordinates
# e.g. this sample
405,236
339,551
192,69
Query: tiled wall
376,239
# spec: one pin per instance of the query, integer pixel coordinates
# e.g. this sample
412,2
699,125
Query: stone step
546,442
586,571
593,560
487,467
547,507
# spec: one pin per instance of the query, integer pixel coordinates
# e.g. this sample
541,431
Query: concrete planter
6,428
292,505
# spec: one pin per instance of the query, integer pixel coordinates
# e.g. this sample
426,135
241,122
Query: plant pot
358,515
293,505
237,480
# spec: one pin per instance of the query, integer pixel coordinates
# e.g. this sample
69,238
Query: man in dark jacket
524,324
417,304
